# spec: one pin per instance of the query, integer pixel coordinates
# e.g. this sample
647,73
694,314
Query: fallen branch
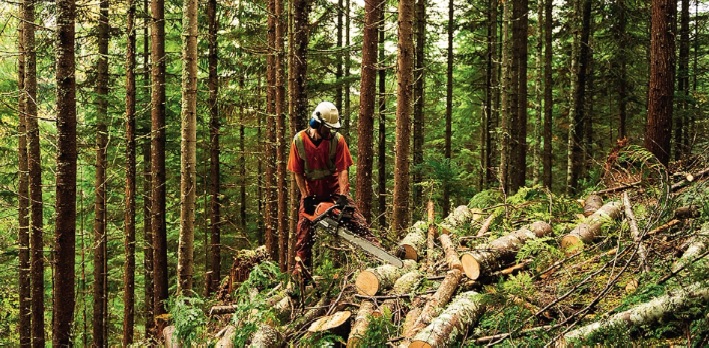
431,236
486,339
442,296
451,255
688,179
361,323
586,231
453,323
486,225
635,233
616,189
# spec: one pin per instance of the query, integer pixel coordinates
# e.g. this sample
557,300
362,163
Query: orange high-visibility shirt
317,159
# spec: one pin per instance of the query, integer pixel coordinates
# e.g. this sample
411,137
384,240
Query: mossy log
415,241
496,254
266,336
361,322
404,285
439,299
452,258
592,204
586,231
373,280
460,215
696,247
647,313
453,323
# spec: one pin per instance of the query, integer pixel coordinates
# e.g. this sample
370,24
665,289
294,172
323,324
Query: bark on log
646,313
453,323
451,255
634,232
695,248
330,321
266,337
170,340
441,298
586,231
415,241
404,285
410,319
457,218
592,204
227,337
372,280
495,255
486,225
361,323
430,240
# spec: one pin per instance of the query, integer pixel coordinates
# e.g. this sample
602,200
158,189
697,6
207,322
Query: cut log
438,301
170,340
592,204
486,225
404,285
361,323
226,337
586,231
410,319
634,232
372,280
415,241
330,321
452,324
460,215
451,255
496,254
266,337
430,240
646,313
695,248
690,178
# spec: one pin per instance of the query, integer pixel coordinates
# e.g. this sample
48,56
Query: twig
675,272
642,254
486,225
391,297
485,339
616,189
685,182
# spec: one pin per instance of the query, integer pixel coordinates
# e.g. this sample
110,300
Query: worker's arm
343,180
302,186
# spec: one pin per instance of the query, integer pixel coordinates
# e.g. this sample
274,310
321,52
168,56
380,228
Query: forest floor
601,275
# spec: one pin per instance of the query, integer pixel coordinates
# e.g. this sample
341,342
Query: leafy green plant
542,252
189,319
251,309
378,333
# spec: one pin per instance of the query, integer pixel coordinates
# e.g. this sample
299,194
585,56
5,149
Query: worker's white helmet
327,113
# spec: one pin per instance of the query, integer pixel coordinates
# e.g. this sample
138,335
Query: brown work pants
305,236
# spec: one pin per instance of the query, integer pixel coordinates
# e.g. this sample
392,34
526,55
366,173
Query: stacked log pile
441,297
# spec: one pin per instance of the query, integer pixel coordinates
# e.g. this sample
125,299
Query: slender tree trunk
367,98
579,99
100,239
539,93
188,177
157,167
449,106
270,204
338,68
65,228
492,89
381,155
23,195
681,127
147,190
34,161
129,214
419,98
281,155
214,150
548,101
518,132
405,59
620,62
347,112
506,90
658,130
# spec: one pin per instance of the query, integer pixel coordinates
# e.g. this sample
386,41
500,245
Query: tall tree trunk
147,190
681,127
404,62
348,65
129,214
518,133
23,195
419,78
281,155
367,98
620,61
381,155
270,204
506,90
658,130
490,113
539,93
338,68
449,106
214,150
188,177
548,101
34,161
157,166
100,314
65,227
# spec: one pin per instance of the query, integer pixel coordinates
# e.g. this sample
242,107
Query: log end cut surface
419,344
367,283
571,243
330,321
410,252
471,266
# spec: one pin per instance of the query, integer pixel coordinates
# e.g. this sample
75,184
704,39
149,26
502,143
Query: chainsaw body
334,217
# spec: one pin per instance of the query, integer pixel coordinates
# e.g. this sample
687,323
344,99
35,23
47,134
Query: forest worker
319,159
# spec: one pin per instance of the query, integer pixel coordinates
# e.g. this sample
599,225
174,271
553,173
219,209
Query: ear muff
314,123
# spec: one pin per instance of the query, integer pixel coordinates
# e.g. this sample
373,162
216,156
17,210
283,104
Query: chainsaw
335,218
